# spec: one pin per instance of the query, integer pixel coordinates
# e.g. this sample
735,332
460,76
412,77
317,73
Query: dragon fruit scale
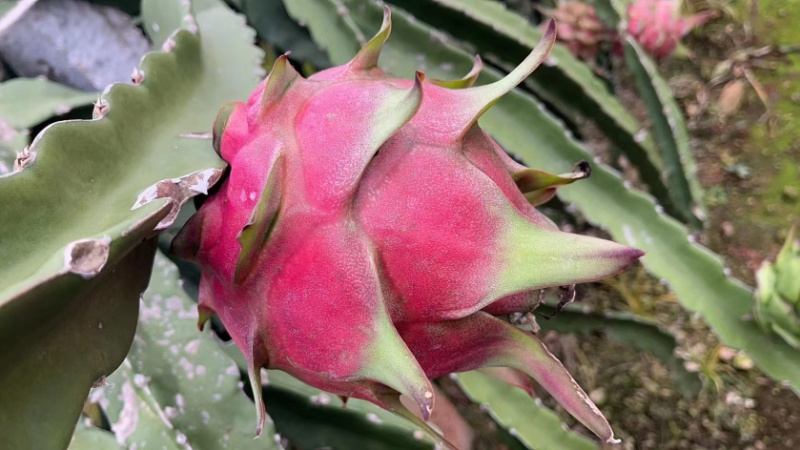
657,26
368,223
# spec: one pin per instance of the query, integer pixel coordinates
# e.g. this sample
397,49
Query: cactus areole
369,230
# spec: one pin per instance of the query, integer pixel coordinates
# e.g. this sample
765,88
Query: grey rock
75,43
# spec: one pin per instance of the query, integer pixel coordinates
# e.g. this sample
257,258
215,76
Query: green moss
777,140
777,17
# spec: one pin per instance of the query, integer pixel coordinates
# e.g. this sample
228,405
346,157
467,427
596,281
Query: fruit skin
658,27
579,28
777,307
366,223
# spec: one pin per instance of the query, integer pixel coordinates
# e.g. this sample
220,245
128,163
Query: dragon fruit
658,27
579,29
368,224
777,306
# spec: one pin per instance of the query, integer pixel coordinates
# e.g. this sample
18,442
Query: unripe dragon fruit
579,29
366,226
777,307
658,27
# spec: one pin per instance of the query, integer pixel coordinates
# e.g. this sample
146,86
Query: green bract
778,297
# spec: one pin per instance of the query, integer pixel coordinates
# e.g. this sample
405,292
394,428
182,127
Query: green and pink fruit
366,224
777,307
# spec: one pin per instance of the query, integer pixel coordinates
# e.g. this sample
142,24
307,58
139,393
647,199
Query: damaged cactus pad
369,232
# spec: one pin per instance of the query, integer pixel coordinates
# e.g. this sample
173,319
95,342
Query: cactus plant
669,131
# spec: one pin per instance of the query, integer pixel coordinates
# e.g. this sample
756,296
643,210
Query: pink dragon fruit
658,27
579,29
366,224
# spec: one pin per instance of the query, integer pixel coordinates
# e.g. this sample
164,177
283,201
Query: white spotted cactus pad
176,387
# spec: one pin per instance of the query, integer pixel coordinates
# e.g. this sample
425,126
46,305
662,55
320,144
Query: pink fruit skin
657,26
434,258
366,221
579,28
